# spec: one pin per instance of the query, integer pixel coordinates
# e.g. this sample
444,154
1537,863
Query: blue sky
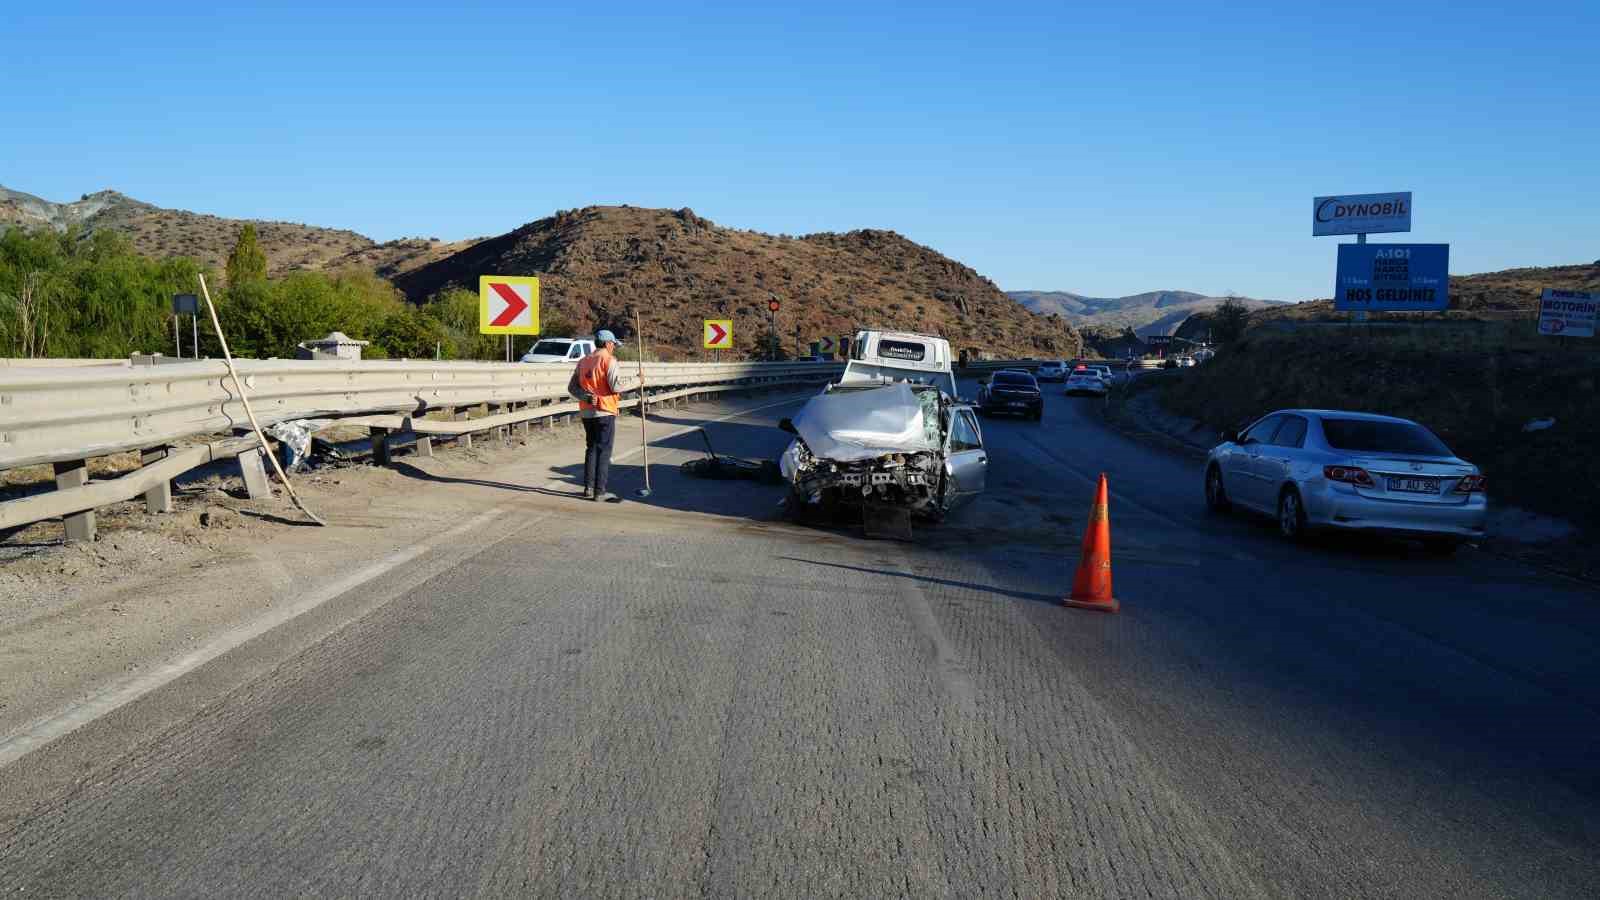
1104,149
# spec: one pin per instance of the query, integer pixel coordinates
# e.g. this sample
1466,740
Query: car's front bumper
1334,508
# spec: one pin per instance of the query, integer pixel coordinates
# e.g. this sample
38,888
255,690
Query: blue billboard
1392,277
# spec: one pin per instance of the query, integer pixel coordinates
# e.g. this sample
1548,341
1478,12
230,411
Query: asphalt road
691,697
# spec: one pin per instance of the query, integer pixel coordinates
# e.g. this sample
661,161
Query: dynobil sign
1361,214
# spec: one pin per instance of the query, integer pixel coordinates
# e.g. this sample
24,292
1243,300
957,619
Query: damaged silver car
887,442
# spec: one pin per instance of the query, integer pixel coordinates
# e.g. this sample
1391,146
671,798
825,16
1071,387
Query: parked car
559,350
1052,371
1087,381
1011,391
1320,469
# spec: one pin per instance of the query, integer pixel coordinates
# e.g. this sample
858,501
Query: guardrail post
70,474
254,473
159,498
526,425
380,446
462,414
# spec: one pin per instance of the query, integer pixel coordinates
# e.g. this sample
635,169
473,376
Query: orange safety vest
594,373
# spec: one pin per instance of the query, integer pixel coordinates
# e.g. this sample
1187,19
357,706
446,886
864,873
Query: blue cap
603,337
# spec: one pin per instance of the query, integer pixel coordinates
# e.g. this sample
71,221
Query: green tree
246,262
411,333
1229,320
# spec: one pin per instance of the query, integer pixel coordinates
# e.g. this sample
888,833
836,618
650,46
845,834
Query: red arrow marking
717,333
514,305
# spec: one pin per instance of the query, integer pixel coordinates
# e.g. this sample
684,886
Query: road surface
690,697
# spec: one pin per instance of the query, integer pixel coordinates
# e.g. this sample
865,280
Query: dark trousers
598,434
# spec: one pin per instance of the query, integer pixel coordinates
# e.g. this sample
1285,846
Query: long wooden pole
238,385
644,434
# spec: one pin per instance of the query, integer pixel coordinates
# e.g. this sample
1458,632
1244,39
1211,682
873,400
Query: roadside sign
826,345
772,305
718,334
185,305
1392,277
1568,313
1361,214
508,304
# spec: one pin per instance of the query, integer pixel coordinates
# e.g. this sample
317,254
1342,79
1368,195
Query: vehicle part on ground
885,521
294,437
713,465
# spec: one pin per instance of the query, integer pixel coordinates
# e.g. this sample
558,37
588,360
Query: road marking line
125,691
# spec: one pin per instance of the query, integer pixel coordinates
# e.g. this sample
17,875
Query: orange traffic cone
1091,587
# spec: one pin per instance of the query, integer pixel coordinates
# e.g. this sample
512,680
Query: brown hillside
394,258
161,232
596,265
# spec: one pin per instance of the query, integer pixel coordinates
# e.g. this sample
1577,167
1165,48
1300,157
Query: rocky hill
1153,312
597,265
159,232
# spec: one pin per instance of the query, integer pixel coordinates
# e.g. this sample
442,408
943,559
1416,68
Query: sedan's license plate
1415,485
1017,403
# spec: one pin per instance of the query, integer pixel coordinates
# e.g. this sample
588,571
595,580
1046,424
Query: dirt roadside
75,618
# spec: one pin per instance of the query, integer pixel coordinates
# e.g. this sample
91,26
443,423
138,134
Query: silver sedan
1086,382
1316,469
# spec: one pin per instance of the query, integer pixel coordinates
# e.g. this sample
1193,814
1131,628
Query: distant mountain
159,232
1153,312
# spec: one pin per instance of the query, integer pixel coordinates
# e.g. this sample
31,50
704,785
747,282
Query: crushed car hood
848,426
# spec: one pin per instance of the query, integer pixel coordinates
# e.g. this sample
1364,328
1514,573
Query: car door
1276,460
969,462
1241,468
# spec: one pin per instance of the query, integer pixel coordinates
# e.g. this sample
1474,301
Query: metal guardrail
56,414
68,414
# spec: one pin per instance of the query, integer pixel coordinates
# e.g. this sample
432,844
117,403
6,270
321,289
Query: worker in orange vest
597,384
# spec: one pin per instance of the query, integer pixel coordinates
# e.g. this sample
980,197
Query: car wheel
1440,546
1038,415
1291,515
1216,494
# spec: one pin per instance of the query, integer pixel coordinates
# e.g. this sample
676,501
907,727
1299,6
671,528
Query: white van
889,356
559,350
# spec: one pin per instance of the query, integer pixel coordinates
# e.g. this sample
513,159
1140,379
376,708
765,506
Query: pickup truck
559,349
889,441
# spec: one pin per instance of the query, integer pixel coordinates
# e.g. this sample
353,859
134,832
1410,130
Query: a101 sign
1392,278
